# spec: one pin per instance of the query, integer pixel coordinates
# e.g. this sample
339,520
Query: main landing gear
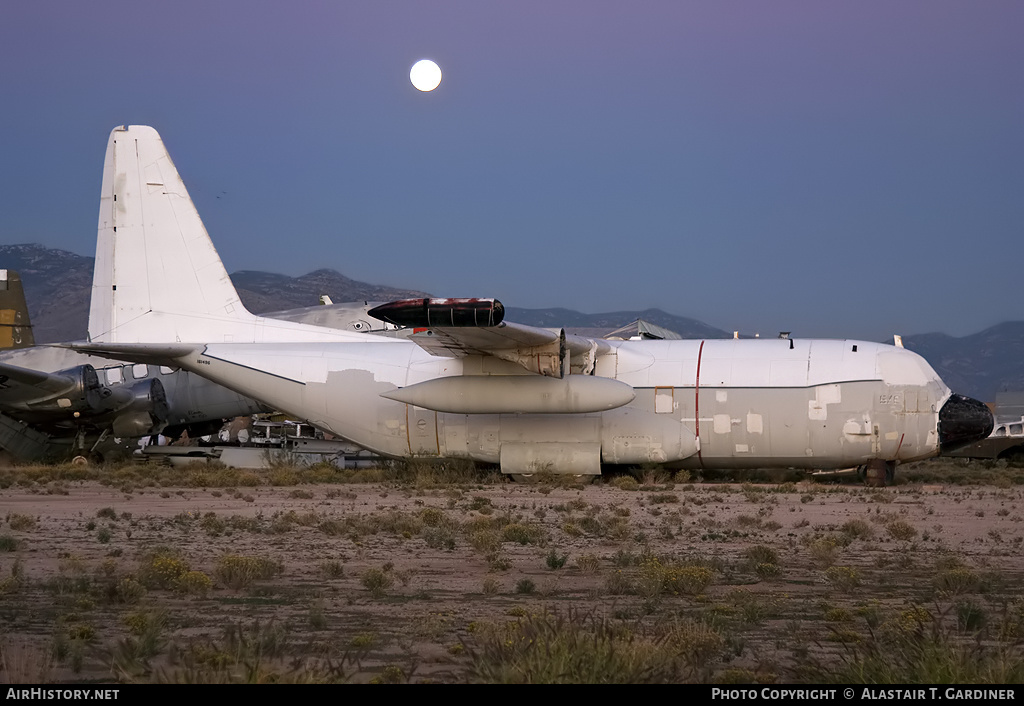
877,473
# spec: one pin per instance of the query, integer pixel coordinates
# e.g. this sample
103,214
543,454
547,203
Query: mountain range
57,285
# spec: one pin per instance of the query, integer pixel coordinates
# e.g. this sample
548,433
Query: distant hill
264,291
597,324
57,286
979,365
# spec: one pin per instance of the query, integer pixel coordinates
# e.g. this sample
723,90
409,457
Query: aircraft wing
458,328
19,385
452,342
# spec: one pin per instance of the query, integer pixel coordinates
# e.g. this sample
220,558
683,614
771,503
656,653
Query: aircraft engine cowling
83,393
454,313
145,414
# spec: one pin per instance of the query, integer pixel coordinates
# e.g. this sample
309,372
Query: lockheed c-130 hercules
471,385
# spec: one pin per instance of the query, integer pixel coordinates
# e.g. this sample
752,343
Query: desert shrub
823,550
525,586
838,614
751,607
845,578
970,615
194,583
498,562
130,657
377,581
554,561
21,523
575,648
698,642
618,583
433,517
956,580
625,483
916,648
237,572
212,525
908,623
128,590
900,529
440,537
161,568
657,576
588,563
331,569
857,529
761,554
522,533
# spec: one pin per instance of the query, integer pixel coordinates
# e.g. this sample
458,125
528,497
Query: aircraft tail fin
158,277
15,326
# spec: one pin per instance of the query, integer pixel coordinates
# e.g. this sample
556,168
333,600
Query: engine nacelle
146,413
75,390
424,313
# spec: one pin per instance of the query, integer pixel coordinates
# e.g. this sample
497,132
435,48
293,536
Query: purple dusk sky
832,169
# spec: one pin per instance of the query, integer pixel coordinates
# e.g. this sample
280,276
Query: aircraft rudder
153,254
15,325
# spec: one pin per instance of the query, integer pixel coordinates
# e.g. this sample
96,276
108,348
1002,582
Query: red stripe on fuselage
696,403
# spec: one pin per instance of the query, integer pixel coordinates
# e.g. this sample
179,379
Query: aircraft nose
962,421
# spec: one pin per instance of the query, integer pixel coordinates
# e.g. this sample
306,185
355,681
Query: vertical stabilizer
158,277
15,327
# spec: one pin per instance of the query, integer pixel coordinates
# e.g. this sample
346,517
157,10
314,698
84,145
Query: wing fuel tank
516,394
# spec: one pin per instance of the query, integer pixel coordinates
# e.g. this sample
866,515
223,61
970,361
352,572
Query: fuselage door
421,426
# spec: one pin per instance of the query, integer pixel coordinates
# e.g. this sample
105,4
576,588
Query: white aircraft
473,386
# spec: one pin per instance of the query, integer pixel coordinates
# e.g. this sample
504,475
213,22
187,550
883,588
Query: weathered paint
734,403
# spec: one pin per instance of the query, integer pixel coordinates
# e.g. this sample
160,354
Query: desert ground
424,573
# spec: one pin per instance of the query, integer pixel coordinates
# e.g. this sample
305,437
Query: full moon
425,75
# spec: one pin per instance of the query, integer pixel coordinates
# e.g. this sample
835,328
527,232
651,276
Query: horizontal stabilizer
153,353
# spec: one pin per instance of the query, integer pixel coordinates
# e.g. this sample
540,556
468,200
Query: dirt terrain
424,578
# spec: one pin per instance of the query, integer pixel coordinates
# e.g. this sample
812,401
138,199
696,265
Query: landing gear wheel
526,478
877,473
80,461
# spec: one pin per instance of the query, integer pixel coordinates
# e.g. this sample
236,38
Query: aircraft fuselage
699,404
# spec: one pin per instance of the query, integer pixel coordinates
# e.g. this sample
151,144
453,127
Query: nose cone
962,421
